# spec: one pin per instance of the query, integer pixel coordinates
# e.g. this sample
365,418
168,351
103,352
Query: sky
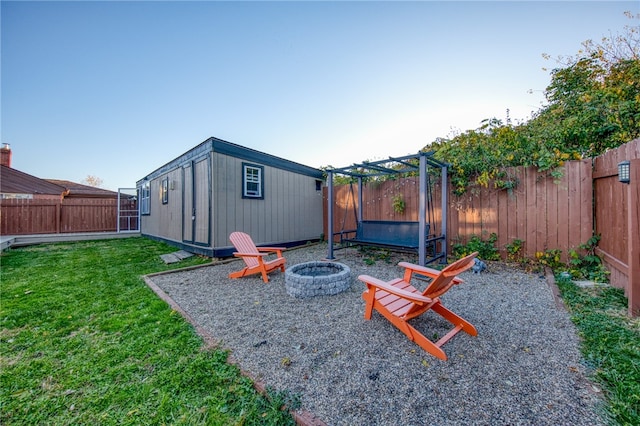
117,89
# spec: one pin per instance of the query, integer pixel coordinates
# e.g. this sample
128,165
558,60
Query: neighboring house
30,205
15,184
196,200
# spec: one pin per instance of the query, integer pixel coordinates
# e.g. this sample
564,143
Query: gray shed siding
165,218
290,211
205,202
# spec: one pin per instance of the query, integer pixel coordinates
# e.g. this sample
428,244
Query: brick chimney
5,155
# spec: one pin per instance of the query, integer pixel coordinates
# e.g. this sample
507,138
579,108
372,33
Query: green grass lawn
83,340
610,346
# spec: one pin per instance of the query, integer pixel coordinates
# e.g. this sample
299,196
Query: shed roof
14,181
228,148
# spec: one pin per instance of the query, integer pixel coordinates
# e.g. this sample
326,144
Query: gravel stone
523,368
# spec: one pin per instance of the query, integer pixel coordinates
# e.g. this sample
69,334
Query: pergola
398,166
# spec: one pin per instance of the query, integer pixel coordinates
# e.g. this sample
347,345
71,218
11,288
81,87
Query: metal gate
128,212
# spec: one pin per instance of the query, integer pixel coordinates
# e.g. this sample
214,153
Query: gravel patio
524,367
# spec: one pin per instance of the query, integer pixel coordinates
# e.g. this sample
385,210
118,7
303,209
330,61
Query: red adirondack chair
399,302
255,257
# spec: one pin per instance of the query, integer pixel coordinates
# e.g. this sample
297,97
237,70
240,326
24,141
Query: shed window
145,198
252,181
164,190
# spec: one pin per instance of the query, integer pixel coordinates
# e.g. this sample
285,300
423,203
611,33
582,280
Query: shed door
197,202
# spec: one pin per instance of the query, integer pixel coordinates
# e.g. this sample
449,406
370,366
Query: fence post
58,218
633,221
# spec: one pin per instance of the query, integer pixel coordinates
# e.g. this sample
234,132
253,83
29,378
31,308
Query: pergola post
444,180
422,214
330,215
360,199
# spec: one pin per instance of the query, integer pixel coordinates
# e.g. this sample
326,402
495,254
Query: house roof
13,181
84,191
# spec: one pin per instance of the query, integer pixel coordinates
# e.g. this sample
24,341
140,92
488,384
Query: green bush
514,250
486,248
551,258
583,262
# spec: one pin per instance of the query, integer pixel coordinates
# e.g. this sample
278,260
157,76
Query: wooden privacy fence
379,199
543,212
617,219
53,216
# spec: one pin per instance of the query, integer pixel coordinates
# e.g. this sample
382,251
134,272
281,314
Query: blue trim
221,252
164,190
244,181
201,250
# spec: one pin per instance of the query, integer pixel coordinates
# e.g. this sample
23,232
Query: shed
197,199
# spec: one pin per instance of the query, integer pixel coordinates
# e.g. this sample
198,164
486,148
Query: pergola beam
381,168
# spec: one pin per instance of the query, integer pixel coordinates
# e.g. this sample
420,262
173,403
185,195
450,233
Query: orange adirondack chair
255,257
398,301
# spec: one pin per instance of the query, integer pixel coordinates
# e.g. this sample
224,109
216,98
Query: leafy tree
593,105
92,181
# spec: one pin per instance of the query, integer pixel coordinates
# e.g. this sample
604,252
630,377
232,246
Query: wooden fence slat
575,201
503,219
519,222
490,219
586,208
562,207
551,199
531,213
